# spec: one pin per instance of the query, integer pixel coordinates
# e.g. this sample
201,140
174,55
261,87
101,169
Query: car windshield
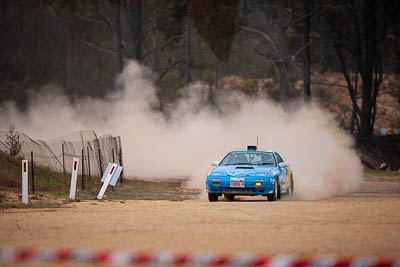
248,158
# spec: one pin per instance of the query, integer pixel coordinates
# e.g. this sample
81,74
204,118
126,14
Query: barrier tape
20,255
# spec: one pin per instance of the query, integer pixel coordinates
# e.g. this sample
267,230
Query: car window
279,158
250,158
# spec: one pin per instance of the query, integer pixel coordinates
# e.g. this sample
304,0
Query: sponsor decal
252,152
234,172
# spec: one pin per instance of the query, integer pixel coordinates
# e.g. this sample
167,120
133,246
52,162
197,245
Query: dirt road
366,222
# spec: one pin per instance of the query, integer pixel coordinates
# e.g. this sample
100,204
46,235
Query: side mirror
283,164
214,163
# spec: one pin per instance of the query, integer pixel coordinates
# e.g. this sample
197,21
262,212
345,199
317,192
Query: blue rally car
250,172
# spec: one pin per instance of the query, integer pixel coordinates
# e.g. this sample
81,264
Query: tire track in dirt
366,222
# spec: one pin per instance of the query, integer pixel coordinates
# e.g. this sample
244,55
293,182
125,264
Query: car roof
258,150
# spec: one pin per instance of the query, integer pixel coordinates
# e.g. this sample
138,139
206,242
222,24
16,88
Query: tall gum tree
357,30
216,23
279,18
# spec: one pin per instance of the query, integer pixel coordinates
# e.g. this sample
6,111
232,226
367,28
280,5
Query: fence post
74,177
83,169
62,146
100,163
25,171
112,150
121,163
88,161
32,174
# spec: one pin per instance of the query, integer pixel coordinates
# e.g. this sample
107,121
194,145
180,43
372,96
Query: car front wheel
291,187
212,197
229,197
275,195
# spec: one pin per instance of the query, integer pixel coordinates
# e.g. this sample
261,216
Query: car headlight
274,172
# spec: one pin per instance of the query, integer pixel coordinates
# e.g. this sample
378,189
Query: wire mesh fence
56,154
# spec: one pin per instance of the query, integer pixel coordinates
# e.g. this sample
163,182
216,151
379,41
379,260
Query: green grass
51,187
148,190
41,205
59,194
10,169
135,190
381,173
10,174
381,176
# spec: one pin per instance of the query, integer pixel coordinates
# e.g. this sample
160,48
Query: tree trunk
213,90
370,51
154,59
217,72
365,52
188,53
134,29
283,82
68,19
306,56
117,36
354,112
37,72
366,108
283,54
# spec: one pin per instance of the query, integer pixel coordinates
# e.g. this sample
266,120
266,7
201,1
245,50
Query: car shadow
254,199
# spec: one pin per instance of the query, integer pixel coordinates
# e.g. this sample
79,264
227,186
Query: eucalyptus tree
358,31
216,23
286,31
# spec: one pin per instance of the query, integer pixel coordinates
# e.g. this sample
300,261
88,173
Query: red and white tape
17,255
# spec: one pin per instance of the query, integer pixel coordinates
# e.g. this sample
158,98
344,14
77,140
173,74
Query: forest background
343,54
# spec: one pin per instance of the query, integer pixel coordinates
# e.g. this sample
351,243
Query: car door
284,171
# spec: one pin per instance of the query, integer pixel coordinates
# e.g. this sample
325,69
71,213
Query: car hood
241,170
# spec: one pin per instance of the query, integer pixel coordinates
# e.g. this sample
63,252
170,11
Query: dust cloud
319,153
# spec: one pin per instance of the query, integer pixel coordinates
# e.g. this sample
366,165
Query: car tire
279,190
275,195
291,187
229,197
212,197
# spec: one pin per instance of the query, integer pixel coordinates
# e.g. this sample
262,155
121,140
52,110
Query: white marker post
74,176
109,175
25,181
116,175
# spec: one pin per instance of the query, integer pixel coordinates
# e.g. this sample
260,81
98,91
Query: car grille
238,191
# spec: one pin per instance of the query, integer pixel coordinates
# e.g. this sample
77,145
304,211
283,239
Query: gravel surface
366,222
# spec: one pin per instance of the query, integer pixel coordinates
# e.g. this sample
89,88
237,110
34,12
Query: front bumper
249,189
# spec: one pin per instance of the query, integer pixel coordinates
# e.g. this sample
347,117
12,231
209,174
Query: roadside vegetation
381,176
52,188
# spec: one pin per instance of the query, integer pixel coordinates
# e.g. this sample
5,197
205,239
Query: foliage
359,46
13,141
34,52
172,83
171,23
216,21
